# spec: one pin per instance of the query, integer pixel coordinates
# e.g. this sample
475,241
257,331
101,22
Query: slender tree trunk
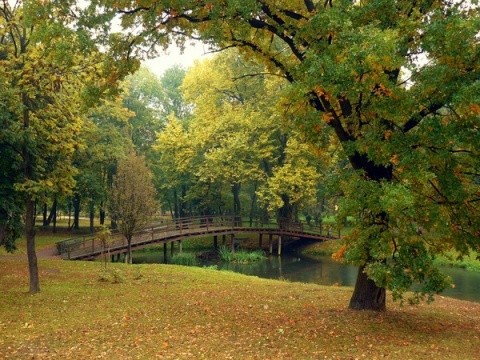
47,220
69,213
76,212
253,199
129,251
102,214
45,210
92,216
54,214
29,204
182,201
31,253
367,295
175,204
236,199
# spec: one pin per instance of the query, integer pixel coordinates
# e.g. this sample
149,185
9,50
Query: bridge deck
91,246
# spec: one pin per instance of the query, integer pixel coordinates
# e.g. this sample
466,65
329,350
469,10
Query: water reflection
324,271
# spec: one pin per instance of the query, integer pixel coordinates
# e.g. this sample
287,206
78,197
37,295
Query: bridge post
279,250
260,241
215,242
171,248
270,243
164,253
180,246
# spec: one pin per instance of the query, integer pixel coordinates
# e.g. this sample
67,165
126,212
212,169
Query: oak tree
396,85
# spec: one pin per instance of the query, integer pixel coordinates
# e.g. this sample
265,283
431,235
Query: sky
173,56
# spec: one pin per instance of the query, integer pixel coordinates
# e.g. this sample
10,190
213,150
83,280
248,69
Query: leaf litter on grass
174,312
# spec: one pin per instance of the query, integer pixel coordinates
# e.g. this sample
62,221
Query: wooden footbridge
169,231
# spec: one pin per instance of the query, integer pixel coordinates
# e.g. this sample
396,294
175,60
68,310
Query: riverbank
469,263
174,312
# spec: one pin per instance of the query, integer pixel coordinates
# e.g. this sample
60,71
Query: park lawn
175,312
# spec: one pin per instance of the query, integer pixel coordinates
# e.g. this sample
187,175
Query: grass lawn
175,312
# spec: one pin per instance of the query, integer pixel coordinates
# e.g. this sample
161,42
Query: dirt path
46,253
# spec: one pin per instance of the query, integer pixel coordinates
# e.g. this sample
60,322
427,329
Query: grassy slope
173,312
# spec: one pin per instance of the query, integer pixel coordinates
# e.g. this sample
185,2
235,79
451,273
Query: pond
323,270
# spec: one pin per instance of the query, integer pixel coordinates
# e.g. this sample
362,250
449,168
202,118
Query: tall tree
107,138
396,84
132,199
238,137
11,208
47,67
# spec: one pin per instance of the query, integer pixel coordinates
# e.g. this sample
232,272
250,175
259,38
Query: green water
322,270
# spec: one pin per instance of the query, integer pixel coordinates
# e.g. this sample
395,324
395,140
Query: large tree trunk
367,295
31,254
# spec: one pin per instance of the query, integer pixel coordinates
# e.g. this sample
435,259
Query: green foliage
225,254
11,210
184,258
240,256
132,200
115,276
389,86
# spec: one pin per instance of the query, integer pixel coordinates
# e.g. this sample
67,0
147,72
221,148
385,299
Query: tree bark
31,253
367,295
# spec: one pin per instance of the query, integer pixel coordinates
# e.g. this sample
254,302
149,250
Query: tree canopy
396,85
51,72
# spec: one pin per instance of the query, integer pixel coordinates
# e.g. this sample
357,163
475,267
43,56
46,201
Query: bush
112,275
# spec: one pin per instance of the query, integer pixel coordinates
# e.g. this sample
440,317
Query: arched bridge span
91,246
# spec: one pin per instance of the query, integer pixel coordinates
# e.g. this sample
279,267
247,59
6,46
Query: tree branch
418,117
133,11
258,50
259,24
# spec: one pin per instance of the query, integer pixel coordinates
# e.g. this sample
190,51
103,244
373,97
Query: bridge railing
93,245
